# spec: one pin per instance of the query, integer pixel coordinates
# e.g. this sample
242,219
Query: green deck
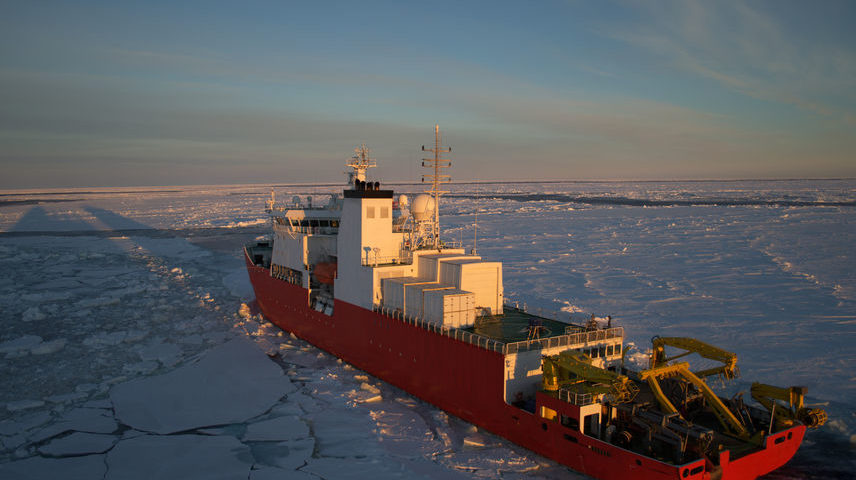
513,326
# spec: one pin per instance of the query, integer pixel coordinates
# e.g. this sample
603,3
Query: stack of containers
484,279
414,297
429,265
451,307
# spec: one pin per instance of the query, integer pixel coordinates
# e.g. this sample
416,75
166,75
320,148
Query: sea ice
79,444
46,348
24,423
273,473
24,405
90,420
37,468
344,434
22,343
380,468
32,314
288,455
229,384
179,457
281,428
238,283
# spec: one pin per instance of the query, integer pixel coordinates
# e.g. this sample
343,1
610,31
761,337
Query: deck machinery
668,411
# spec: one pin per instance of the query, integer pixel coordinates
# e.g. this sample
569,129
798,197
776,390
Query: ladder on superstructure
436,178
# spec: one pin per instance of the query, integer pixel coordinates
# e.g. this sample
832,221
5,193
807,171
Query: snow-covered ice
79,443
179,457
130,334
231,383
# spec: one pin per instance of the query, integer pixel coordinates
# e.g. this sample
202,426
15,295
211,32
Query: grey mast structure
436,178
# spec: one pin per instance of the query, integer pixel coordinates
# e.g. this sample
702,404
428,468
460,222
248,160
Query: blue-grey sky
165,93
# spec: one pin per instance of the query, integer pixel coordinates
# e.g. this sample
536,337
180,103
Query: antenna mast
436,179
360,162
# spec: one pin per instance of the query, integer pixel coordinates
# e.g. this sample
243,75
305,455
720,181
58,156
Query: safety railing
580,339
451,332
576,398
481,341
372,260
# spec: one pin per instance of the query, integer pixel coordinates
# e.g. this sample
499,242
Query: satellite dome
403,201
422,207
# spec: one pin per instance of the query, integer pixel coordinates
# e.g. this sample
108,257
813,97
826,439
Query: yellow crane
792,407
660,369
728,369
574,369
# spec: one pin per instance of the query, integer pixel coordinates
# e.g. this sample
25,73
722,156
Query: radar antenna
436,180
360,162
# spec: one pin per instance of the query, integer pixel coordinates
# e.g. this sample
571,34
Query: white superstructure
369,251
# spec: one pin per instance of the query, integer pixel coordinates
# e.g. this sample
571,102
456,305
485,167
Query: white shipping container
393,291
484,279
414,296
429,265
450,307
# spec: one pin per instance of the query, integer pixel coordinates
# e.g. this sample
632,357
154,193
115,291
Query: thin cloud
746,51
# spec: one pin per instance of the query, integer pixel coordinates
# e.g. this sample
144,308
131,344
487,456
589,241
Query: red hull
467,381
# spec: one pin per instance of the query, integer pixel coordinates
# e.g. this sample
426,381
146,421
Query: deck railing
581,338
372,260
576,398
481,341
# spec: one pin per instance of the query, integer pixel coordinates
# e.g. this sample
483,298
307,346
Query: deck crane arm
729,359
722,413
791,408
575,368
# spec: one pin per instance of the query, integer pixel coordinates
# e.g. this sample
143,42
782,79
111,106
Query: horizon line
76,190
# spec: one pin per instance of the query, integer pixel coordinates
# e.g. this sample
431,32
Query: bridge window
384,212
369,212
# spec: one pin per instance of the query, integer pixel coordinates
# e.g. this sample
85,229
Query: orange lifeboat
325,272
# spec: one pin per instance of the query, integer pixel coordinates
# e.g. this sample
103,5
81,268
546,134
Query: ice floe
229,384
179,457
281,428
37,468
79,444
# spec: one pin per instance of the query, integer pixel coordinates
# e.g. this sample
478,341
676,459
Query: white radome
422,207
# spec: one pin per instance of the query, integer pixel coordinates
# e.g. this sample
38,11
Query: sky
114,93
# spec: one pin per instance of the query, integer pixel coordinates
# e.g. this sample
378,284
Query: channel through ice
131,347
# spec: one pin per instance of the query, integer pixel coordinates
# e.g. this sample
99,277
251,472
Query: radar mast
360,162
436,178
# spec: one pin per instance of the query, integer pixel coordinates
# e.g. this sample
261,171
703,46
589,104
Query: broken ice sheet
90,420
79,444
38,468
345,434
403,432
288,455
273,473
282,428
380,468
180,457
229,384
